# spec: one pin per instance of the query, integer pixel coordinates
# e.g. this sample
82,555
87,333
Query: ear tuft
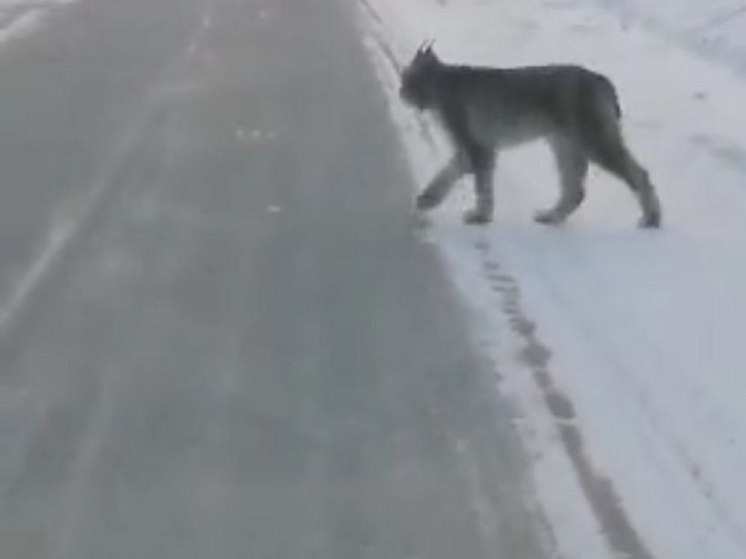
426,47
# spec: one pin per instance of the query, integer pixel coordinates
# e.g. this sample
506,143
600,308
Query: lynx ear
430,52
426,46
425,56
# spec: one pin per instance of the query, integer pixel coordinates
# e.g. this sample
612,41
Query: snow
4,4
19,18
642,331
21,26
714,28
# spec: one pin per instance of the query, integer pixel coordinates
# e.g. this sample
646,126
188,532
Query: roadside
631,340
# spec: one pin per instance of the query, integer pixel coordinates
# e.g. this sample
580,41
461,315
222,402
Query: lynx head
419,77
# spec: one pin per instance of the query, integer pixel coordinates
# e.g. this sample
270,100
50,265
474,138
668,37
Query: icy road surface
220,335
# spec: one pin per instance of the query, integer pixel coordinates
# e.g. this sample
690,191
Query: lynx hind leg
443,182
572,166
611,153
646,194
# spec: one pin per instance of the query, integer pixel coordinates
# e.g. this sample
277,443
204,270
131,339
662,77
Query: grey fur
485,110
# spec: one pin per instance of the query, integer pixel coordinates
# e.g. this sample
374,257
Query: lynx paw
548,217
651,221
427,201
477,217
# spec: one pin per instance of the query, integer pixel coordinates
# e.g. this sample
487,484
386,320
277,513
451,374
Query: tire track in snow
19,18
598,489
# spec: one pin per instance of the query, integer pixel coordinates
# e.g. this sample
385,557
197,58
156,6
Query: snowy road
220,336
622,350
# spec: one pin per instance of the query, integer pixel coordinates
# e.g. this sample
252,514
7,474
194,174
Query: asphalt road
219,334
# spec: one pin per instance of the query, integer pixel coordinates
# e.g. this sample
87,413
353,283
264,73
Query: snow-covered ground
18,18
714,28
622,348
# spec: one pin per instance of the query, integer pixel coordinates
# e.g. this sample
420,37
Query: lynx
485,110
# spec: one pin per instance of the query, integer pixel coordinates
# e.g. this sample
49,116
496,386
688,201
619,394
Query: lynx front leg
443,182
483,166
572,165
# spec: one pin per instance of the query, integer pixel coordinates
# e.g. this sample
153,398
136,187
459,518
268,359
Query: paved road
219,337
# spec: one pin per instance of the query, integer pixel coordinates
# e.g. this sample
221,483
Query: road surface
219,334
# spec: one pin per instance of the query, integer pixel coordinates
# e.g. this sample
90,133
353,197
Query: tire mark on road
599,491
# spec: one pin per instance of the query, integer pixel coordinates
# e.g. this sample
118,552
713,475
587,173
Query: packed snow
19,18
622,348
